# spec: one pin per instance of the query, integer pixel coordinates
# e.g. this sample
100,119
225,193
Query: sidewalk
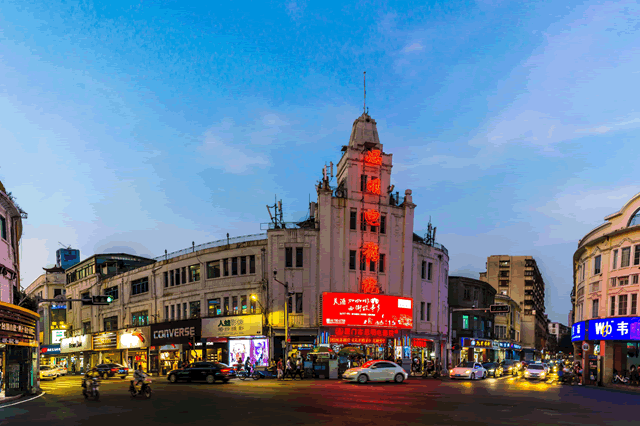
5,399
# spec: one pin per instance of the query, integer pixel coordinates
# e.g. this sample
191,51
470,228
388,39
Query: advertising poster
256,349
356,309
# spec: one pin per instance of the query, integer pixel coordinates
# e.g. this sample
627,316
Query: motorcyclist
138,376
90,374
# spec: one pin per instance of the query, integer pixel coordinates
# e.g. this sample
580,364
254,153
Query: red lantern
373,157
372,217
373,186
371,251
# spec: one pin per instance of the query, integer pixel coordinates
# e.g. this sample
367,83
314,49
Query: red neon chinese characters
373,157
373,186
370,285
371,251
372,217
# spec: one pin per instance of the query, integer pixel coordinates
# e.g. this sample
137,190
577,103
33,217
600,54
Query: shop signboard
365,332
133,338
477,343
58,335
578,331
175,332
420,343
17,325
75,344
240,325
623,328
357,340
367,310
49,349
105,341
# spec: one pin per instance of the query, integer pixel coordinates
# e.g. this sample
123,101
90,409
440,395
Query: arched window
635,219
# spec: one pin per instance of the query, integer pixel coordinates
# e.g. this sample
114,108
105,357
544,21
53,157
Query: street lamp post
286,312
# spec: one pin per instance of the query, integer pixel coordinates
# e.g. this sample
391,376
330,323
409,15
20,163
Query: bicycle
244,374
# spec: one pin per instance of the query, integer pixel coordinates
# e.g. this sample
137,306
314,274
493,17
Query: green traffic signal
109,299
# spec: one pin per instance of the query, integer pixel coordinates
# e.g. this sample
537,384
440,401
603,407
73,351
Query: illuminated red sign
370,285
357,309
361,340
373,157
419,343
365,332
371,251
372,217
373,186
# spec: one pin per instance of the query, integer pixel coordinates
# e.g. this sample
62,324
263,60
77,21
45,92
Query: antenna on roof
364,108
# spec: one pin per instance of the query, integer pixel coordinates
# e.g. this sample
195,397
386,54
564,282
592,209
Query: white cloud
223,153
600,129
414,47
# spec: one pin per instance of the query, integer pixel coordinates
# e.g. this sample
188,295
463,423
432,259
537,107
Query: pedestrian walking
280,372
289,369
299,369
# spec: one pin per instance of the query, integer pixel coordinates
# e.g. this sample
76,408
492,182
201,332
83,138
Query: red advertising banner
361,340
368,310
365,332
420,343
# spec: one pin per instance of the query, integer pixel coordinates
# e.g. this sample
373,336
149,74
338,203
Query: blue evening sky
143,126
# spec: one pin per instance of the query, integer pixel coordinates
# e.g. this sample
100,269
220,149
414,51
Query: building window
184,274
613,306
177,272
424,269
243,304
595,307
352,259
428,311
429,268
178,312
383,224
214,307
173,312
626,255
140,318
166,279
298,303
634,304
166,313
172,278
3,227
615,259
299,257
111,324
352,219
622,304
112,291
505,264
288,257
194,309
243,265
612,282
363,222
86,327
225,264
140,286
226,306
194,273
504,283
422,311
465,322
213,269
252,264
467,293
381,262
372,265
597,265
235,305
290,304
505,274
636,255
623,281
252,304
363,262
363,183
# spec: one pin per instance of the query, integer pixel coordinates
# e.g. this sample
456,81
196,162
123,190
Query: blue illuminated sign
578,331
623,328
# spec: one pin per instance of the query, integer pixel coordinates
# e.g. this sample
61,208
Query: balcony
296,320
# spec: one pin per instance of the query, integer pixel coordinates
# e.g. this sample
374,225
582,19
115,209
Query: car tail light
114,370
225,371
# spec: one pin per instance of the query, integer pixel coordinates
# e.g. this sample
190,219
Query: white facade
10,234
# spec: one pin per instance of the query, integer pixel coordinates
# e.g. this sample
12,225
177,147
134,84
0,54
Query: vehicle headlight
467,372
526,373
542,374
510,368
492,371
450,371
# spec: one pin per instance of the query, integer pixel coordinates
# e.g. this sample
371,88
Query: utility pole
286,312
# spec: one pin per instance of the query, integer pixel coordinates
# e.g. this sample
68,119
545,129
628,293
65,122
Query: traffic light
101,300
500,309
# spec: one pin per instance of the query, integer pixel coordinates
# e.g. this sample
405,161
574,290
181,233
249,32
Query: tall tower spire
364,108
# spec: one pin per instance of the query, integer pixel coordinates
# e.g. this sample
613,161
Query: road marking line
26,400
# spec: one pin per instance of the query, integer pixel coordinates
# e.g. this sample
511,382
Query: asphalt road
503,401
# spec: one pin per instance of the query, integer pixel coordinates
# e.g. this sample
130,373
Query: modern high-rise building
519,278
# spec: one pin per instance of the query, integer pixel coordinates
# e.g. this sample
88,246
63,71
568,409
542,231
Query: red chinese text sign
357,309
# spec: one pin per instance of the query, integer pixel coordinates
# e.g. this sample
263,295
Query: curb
10,399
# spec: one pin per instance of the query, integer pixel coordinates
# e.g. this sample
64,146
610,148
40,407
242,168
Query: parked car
62,370
209,372
535,371
493,369
376,371
48,372
232,371
468,370
112,370
509,367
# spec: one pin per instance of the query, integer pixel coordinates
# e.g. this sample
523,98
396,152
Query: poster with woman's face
239,350
260,352
257,350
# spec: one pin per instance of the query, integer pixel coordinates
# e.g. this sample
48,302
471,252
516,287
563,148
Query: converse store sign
175,332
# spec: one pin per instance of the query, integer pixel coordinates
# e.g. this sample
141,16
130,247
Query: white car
468,370
376,371
535,371
47,372
62,370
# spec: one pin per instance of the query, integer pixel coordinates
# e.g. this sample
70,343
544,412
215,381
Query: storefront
378,325
134,346
77,350
173,343
506,350
244,339
105,349
18,350
51,355
607,344
479,350
423,349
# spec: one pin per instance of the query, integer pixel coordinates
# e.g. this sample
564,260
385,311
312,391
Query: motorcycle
265,374
91,389
145,389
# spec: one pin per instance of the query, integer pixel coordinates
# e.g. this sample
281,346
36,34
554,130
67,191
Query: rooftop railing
212,244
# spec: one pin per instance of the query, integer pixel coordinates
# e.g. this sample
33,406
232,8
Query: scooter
265,374
91,389
145,389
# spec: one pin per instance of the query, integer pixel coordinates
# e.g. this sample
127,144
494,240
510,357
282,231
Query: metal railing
212,244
